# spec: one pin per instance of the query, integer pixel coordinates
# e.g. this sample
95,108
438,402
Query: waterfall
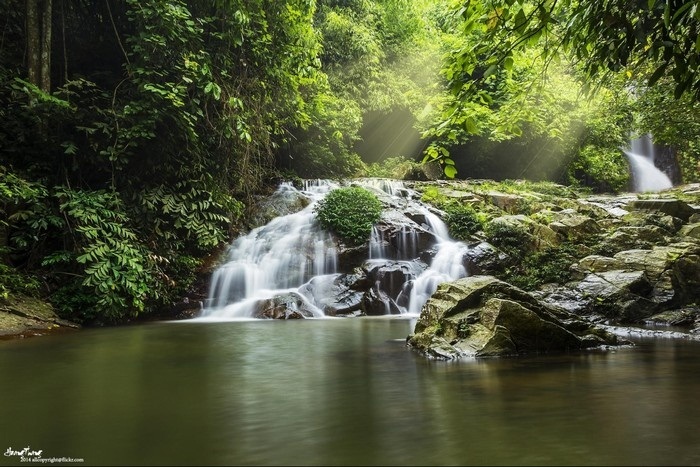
447,265
292,260
277,257
645,175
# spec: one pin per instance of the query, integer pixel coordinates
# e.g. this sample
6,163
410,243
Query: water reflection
340,392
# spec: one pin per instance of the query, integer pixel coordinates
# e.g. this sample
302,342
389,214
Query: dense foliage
134,135
350,212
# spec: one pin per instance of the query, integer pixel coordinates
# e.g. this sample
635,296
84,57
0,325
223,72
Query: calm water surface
339,392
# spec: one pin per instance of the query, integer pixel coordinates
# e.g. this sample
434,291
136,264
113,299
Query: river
339,392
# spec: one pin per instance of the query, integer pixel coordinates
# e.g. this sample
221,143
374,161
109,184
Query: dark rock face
481,316
483,258
337,295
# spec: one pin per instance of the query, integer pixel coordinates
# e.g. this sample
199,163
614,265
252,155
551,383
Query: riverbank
627,259
22,317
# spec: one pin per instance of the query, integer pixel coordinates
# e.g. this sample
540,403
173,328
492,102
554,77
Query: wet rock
620,296
686,316
481,316
390,276
484,259
338,294
376,302
401,237
670,206
286,200
351,257
290,305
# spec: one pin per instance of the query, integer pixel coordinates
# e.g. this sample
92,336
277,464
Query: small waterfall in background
645,175
409,254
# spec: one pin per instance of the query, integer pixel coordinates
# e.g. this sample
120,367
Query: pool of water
339,392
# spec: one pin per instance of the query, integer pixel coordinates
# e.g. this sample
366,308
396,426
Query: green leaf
490,70
450,171
508,63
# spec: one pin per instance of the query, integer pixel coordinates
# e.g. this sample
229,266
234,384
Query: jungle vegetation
135,134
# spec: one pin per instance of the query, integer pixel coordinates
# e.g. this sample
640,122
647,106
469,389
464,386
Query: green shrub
398,167
550,265
350,212
463,221
513,240
115,265
605,169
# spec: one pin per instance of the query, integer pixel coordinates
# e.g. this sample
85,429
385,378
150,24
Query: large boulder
573,226
336,294
481,316
670,206
620,296
539,236
484,259
673,270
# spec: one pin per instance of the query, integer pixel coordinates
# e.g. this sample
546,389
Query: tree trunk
33,42
46,46
39,43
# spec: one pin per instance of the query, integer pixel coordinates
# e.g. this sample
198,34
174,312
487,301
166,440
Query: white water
447,265
276,258
646,176
293,254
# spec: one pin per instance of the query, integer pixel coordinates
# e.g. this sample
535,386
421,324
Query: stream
340,392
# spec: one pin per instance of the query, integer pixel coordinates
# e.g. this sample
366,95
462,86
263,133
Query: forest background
135,135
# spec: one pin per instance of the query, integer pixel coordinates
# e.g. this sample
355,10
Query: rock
672,271
376,302
290,305
668,223
686,316
509,203
481,316
618,295
670,206
484,258
539,236
390,276
338,294
573,226
286,200
26,316
690,231
634,237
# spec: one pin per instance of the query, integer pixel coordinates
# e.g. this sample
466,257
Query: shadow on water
340,392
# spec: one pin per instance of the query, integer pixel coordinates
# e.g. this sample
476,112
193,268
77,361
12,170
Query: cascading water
645,175
275,258
293,256
447,265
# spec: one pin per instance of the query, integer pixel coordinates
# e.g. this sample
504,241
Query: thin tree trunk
46,46
33,43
